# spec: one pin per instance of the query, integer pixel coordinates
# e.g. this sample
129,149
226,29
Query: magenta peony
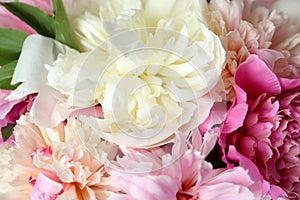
264,122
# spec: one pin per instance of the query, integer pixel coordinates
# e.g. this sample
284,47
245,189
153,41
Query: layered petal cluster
263,124
66,162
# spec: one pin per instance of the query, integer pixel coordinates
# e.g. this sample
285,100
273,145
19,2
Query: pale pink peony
181,172
263,123
247,27
66,162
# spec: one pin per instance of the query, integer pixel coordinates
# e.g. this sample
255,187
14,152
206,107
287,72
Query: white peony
87,20
152,76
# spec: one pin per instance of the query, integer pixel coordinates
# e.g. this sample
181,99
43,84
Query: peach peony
57,164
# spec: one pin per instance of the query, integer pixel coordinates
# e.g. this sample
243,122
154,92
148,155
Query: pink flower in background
264,123
44,5
8,20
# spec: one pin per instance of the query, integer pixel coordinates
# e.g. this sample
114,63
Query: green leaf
7,131
34,17
11,42
63,30
6,73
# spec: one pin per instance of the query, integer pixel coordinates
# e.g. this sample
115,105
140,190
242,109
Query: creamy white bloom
87,20
152,76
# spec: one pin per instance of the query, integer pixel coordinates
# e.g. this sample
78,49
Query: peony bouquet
149,100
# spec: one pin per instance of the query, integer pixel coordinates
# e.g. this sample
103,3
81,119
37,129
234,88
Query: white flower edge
38,51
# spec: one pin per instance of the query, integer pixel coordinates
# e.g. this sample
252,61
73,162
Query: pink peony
182,173
263,123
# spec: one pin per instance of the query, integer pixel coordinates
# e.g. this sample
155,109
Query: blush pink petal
255,78
153,188
94,111
3,95
226,191
269,56
45,188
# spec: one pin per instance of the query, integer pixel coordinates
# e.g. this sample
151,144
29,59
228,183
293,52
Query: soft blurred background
291,7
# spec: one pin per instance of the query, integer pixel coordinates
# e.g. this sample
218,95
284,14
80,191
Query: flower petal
255,78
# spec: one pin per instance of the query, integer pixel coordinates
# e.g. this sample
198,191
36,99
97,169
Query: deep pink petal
235,118
248,144
268,108
255,78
